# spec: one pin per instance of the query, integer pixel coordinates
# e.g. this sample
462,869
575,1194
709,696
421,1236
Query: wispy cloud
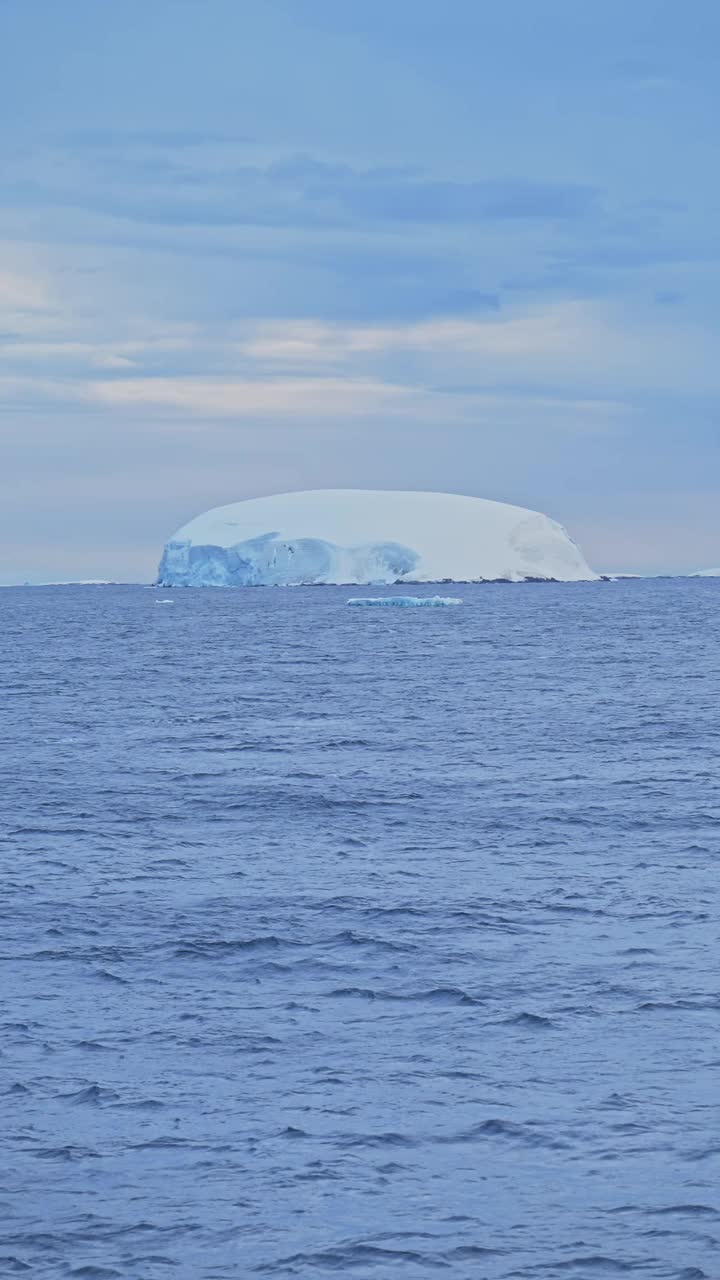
27,297
198,397
179,403
213,181
298,397
560,327
101,354
22,293
570,343
572,351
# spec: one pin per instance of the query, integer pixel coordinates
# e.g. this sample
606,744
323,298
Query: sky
254,246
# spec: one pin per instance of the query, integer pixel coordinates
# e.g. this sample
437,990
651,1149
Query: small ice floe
406,602
168,601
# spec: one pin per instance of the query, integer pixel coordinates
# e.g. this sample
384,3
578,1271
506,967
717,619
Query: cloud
410,196
299,397
27,295
570,351
100,354
572,344
223,397
45,354
215,181
340,399
558,328
184,404
22,293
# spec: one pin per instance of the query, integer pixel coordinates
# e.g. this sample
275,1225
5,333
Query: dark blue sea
377,942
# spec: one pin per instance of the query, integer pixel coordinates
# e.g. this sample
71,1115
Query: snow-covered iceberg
357,536
706,573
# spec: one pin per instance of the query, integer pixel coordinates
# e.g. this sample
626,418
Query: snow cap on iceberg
364,536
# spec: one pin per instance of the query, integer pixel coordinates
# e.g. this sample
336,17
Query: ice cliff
358,536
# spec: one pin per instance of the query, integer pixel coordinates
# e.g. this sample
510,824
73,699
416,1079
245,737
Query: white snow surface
363,536
706,573
68,582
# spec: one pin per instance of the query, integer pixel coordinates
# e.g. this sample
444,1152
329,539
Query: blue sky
283,244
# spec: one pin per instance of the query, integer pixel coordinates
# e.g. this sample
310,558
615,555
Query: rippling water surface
369,941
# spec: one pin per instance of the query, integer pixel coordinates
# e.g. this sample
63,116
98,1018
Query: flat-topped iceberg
359,536
406,602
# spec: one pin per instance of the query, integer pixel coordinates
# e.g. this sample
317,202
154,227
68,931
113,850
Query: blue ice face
271,561
406,602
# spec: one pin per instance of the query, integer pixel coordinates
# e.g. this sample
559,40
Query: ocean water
380,942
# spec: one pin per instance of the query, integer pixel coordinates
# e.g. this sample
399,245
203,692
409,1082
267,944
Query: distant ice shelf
406,602
72,582
357,536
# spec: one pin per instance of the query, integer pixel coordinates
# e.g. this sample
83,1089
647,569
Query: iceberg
364,537
406,602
